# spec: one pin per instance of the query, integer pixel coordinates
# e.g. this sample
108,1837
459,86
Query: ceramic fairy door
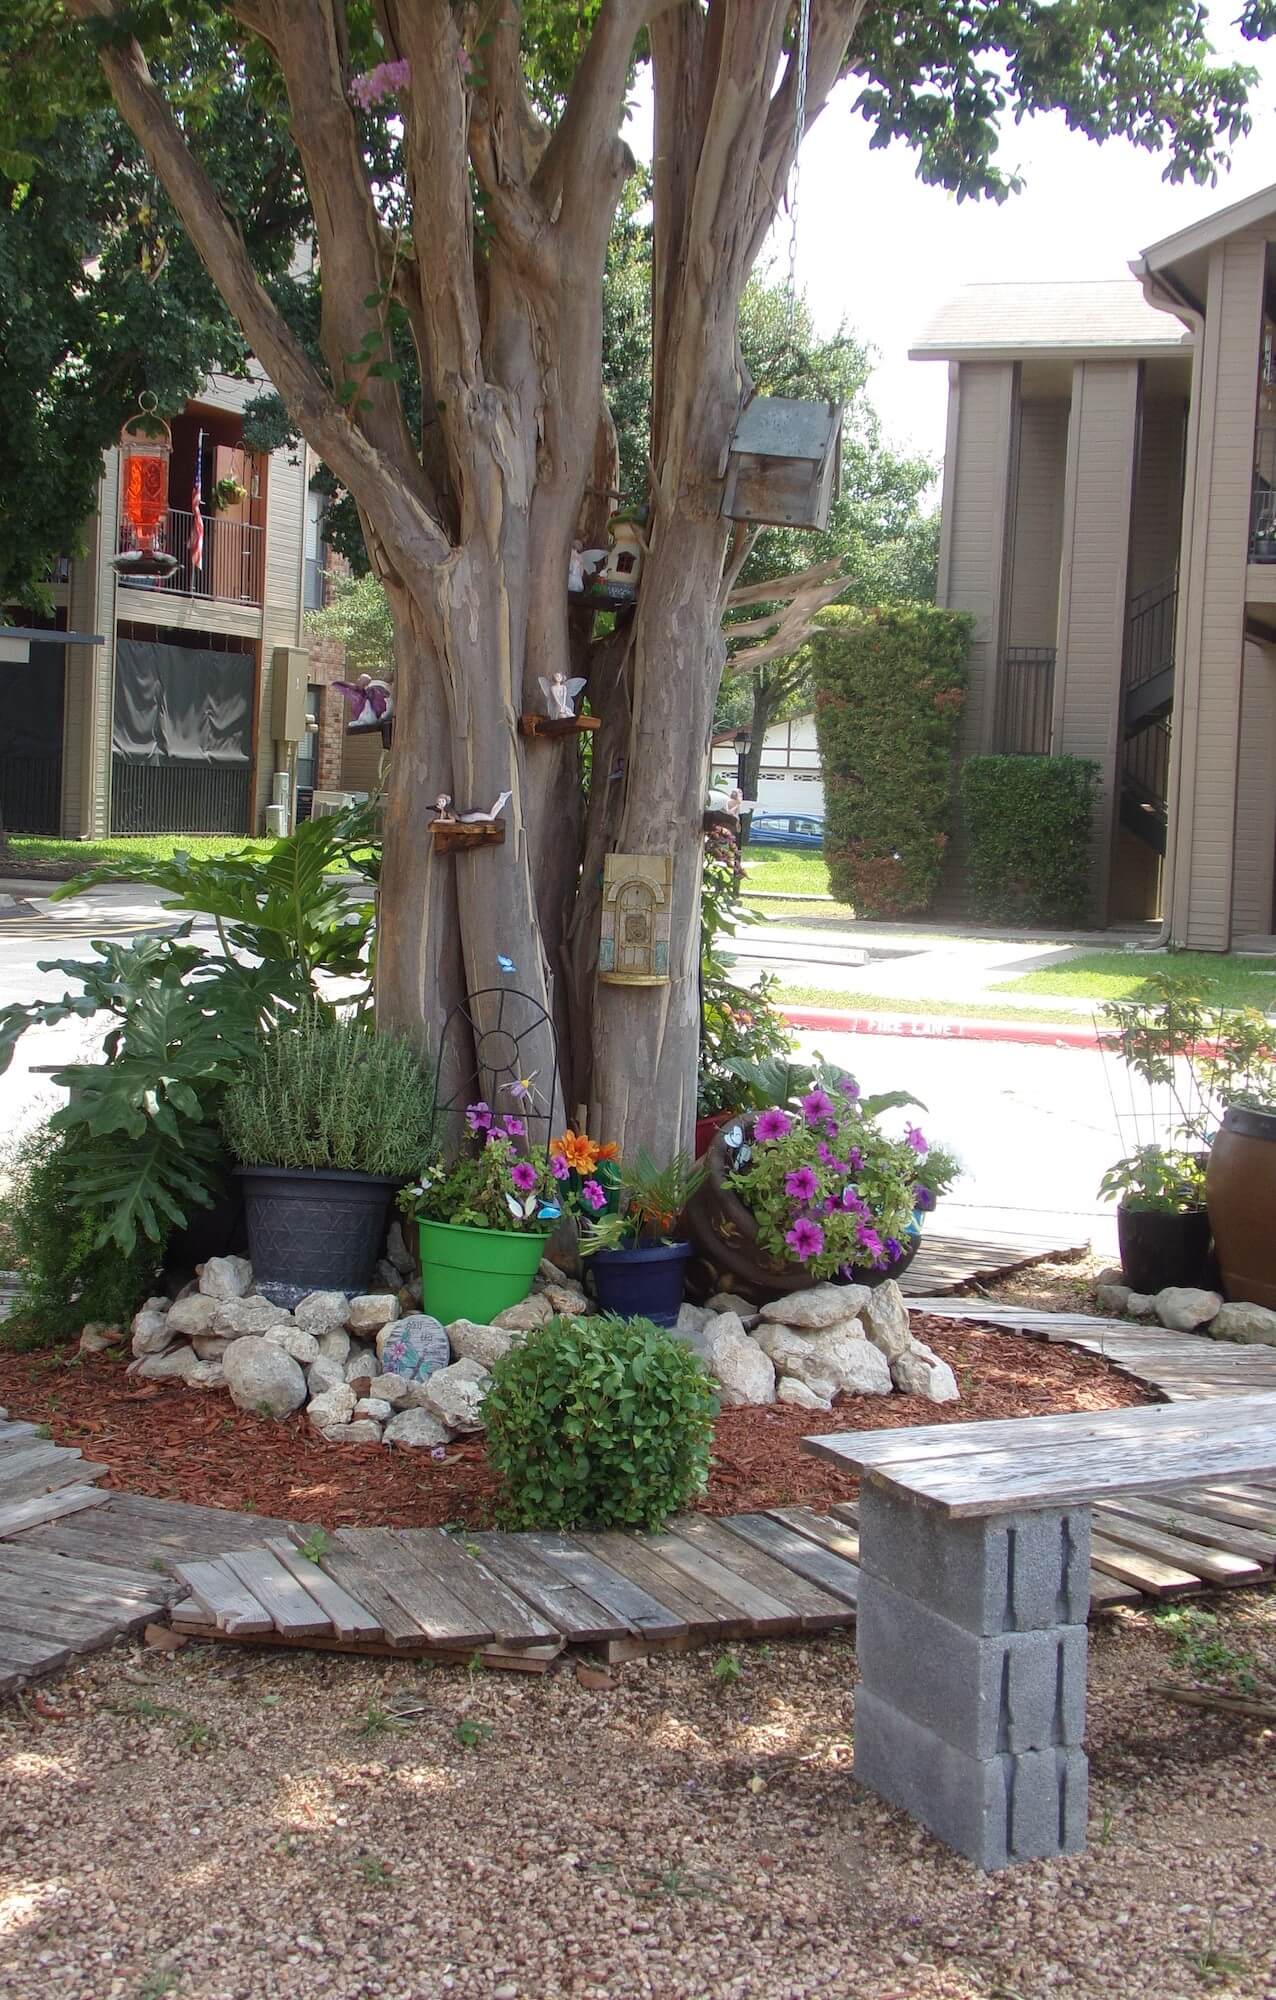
633,946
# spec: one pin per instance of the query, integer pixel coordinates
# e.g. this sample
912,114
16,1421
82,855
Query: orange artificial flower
609,1150
580,1153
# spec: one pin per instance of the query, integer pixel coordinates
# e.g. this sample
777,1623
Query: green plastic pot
475,1273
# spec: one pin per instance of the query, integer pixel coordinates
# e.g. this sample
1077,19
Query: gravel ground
213,1824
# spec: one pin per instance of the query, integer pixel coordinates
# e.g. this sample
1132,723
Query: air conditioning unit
324,804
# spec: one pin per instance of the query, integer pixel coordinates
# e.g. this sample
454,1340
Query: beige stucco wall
976,501
1037,533
1158,493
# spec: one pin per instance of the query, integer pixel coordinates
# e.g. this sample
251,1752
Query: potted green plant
738,1024
636,1258
794,1195
1162,1226
325,1119
485,1217
228,492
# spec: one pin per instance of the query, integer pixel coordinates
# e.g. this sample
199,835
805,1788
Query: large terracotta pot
724,1236
1240,1193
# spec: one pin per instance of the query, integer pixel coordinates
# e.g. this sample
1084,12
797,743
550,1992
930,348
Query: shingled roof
1091,317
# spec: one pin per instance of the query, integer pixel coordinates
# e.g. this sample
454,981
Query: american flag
196,544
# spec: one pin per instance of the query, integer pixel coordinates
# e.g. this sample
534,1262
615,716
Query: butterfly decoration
549,1212
506,964
733,1137
521,1207
520,1089
743,1155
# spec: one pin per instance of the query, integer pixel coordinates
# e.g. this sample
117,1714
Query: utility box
289,680
785,463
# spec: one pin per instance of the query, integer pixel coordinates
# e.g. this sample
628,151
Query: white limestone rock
1254,1325
226,1278
1140,1305
150,1328
1114,1300
1184,1308
838,1359
263,1378
361,1361
191,1315
335,1345
1111,1274
210,1346
392,1389
324,1375
455,1395
731,1302
237,1317
364,1431
485,1344
322,1312
334,1406
821,1306
568,1300
181,1364
93,1340
396,1249
296,1341
744,1374
373,1407
920,1372
369,1312
884,1316
789,1390
417,1429
530,1312
694,1319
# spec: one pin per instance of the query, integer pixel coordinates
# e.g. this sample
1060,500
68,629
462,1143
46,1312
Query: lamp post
743,741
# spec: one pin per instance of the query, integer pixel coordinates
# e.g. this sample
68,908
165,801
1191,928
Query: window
314,593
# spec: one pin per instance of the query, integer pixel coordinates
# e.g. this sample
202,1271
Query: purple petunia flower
495,1138
847,1087
855,1164
870,1241
523,1175
558,1166
772,1124
594,1195
918,1141
923,1199
817,1104
853,1201
824,1154
805,1239
479,1116
800,1184
514,1127
894,1248
828,1205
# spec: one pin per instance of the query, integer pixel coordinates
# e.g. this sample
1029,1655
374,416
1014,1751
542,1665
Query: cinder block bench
974,1592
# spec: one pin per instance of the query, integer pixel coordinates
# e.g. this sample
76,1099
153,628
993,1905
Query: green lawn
894,1003
1115,975
75,855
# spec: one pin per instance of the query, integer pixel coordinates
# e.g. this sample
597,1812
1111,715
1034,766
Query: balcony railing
232,564
1026,701
1149,634
1262,514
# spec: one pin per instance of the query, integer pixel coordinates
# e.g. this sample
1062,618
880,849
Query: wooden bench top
1019,1463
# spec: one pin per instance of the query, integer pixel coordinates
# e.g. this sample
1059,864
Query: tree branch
589,128
833,23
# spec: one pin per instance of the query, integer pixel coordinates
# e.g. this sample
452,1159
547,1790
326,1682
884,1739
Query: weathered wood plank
1211,1565
640,1611
231,1606
28,1558
577,1616
346,1616
705,1614
51,1477
58,1587
764,1611
1147,1573
440,1615
514,1621
20,1515
26,1454
805,1558
14,1429
818,1610
39,1618
1193,1524
278,1592
18,1650
358,1581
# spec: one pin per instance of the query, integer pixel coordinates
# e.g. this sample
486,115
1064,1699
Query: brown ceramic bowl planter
728,1256
1240,1190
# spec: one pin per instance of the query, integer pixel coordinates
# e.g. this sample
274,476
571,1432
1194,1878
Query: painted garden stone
416,1347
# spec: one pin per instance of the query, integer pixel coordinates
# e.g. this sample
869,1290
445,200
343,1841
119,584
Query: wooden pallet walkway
947,1264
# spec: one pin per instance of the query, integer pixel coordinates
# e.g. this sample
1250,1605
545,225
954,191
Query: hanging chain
799,127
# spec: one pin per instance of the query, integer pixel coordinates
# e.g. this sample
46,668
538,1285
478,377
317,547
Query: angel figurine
737,803
561,696
443,806
370,702
581,564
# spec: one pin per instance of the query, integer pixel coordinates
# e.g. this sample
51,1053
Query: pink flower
383,81
772,1124
523,1175
817,1105
872,1242
558,1167
514,1128
918,1141
594,1195
479,1116
805,1239
800,1184
823,1154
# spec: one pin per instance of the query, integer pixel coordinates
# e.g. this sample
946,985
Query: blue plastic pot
641,1283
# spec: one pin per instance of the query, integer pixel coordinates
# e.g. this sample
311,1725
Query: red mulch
183,1444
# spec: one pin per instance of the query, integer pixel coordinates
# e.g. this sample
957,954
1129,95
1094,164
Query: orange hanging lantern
146,445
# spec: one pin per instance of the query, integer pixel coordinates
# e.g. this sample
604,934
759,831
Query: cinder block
992,1810
1010,1691
1008,1573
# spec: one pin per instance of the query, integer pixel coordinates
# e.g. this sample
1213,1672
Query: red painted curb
933,1027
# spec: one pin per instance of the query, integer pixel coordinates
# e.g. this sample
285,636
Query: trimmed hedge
890,684
1027,823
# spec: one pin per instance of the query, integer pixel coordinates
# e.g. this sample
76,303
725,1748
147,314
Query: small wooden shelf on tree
558,725
453,836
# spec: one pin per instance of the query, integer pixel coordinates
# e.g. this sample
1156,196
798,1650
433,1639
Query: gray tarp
177,704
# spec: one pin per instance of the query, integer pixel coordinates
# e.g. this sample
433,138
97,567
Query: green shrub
1027,823
604,1423
890,684
319,1092
67,1276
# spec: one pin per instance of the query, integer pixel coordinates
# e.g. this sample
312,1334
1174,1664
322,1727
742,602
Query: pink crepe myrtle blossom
384,81
523,1175
772,1124
805,1239
594,1195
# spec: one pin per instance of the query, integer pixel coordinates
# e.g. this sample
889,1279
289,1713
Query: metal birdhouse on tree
785,463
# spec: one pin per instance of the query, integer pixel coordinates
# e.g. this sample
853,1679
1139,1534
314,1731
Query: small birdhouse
633,944
785,463
623,566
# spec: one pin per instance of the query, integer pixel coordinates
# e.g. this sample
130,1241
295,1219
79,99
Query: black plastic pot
1159,1249
219,1231
313,1231
641,1283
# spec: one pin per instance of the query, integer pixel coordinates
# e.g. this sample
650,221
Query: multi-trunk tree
462,197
